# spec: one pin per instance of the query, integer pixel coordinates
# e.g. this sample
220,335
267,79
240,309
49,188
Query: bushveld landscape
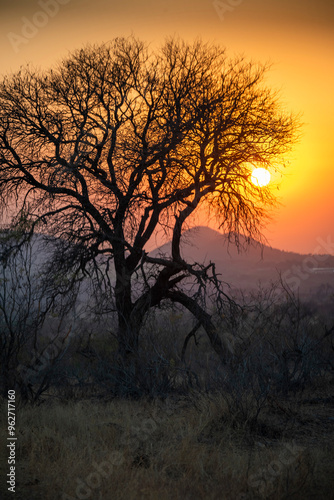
160,335
261,426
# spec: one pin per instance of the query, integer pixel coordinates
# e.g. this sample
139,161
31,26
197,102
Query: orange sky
297,37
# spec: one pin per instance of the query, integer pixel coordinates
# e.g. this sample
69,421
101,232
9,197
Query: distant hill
311,275
257,264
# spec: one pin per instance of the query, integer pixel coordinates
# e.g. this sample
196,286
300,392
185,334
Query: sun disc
260,177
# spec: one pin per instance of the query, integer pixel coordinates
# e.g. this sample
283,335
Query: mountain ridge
255,263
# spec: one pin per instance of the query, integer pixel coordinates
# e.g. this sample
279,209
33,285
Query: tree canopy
118,140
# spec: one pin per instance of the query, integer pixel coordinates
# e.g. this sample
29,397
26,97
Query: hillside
255,263
311,275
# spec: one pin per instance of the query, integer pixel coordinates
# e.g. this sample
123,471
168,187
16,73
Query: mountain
254,263
312,276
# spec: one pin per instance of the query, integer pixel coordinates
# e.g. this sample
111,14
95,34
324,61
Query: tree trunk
128,363
129,325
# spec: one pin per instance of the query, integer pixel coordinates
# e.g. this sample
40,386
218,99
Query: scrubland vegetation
181,447
260,426
185,447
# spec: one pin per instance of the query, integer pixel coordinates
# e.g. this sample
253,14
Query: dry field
179,448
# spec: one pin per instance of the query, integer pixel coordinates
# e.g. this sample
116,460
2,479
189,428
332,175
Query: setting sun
260,177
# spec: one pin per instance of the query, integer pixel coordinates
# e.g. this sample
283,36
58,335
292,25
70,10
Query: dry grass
185,448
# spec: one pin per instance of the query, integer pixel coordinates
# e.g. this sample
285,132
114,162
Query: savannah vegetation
196,391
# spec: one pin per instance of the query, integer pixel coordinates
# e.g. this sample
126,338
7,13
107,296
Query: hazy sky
297,37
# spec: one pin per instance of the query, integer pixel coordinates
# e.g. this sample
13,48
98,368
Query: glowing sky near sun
297,37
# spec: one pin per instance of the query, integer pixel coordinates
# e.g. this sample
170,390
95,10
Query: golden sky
296,36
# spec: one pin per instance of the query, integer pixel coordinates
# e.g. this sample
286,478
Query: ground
189,447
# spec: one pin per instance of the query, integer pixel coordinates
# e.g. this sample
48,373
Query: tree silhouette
118,141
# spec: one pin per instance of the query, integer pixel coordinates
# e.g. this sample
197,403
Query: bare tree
34,316
118,141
